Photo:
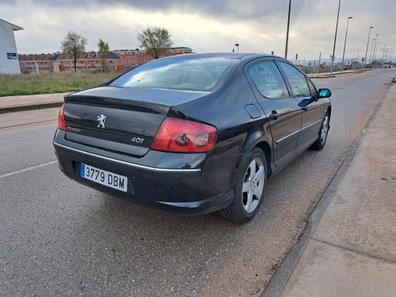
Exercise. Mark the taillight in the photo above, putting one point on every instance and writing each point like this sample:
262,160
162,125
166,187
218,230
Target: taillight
182,136
61,119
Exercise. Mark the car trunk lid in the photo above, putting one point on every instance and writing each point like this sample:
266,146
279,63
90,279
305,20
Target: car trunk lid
123,120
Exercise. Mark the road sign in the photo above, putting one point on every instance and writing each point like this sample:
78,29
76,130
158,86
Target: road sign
11,56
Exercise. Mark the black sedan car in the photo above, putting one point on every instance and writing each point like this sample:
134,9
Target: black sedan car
193,134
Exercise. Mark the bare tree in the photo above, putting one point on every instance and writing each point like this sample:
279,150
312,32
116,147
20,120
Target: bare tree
155,40
103,52
74,45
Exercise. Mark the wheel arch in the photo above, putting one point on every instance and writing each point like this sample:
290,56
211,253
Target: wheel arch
265,147
262,141
328,110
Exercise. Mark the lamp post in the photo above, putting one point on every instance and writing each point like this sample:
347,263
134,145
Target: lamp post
372,51
368,43
384,53
375,47
345,41
335,37
287,30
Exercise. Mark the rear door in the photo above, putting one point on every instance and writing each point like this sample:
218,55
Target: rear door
307,98
280,107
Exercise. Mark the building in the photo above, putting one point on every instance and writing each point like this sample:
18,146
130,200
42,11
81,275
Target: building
131,58
87,62
58,62
181,50
9,63
115,61
36,63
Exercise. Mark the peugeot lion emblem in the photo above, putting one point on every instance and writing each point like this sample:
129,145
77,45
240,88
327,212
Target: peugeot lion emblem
101,121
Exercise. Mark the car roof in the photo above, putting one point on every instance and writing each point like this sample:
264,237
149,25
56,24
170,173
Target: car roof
236,56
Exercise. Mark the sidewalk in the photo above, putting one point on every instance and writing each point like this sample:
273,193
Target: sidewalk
335,73
27,102
352,251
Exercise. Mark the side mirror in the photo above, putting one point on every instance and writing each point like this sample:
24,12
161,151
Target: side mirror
324,93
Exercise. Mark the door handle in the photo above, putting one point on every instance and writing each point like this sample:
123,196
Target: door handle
274,115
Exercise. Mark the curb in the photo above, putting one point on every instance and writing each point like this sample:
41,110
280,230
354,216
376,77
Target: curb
29,107
323,76
335,74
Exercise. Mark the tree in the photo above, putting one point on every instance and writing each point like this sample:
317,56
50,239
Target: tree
103,51
74,45
155,40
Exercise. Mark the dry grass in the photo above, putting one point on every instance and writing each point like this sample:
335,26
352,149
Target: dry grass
26,84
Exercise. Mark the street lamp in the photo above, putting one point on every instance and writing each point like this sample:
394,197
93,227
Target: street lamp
384,54
335,38
287,30
372,51
368,43
345,41
375,47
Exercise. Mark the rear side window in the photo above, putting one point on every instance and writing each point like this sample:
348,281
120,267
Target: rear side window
181,73
268,80
297,80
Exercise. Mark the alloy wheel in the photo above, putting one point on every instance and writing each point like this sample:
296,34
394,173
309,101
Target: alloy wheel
253,185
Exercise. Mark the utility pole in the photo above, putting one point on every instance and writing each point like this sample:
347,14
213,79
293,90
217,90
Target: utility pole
335,37
368,43
287,30
320,58
345,41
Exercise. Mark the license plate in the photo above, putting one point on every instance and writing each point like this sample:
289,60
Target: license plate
104,177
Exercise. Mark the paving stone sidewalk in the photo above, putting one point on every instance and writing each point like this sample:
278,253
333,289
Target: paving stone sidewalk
352,252
26,102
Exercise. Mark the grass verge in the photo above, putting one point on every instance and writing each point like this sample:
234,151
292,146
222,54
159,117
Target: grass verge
27,84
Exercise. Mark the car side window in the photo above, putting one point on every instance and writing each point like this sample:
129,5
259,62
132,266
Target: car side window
296,79
314,92
268,80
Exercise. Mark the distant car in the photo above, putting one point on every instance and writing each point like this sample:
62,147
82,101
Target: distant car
193,134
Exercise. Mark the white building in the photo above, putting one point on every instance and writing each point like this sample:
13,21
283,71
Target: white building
9,63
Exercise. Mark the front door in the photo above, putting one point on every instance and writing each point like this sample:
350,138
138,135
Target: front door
307,99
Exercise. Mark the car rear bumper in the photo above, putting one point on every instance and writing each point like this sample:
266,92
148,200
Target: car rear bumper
172,182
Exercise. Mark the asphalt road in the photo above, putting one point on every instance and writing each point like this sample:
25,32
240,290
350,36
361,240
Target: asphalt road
59,238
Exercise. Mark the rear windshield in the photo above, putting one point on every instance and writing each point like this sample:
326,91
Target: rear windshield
198,74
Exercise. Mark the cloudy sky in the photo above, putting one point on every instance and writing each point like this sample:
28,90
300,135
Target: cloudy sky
204,25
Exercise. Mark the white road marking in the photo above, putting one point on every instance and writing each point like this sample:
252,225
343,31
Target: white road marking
27,169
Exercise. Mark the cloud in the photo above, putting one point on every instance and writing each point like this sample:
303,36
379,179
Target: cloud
257,25
252,9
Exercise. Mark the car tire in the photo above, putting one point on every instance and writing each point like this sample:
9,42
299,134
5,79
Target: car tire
249,185
323,133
